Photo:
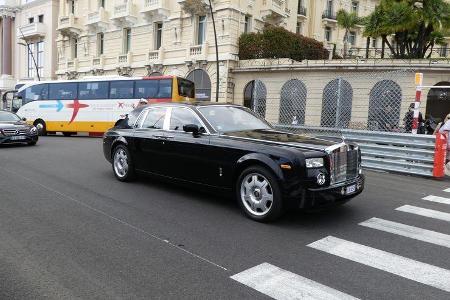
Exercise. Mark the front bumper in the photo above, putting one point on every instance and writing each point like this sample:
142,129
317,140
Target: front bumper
313,198
25,139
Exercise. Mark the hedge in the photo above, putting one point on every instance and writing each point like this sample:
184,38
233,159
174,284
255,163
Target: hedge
277,42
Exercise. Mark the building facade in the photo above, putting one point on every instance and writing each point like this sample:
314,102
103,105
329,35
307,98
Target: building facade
28,41
145,37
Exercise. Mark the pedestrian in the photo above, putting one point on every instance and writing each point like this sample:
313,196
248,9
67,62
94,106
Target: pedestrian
409,120
444,127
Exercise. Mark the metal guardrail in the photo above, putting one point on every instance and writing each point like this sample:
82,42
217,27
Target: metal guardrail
387,151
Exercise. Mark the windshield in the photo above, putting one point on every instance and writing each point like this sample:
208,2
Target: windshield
8,117
232,118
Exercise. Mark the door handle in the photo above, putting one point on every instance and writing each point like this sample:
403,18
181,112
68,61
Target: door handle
168,137
160,137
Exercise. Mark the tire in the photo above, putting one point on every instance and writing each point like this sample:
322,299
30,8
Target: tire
68,134
122,164
252,187
42,128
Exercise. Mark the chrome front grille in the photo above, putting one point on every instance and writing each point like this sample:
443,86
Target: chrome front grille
343,164
13,131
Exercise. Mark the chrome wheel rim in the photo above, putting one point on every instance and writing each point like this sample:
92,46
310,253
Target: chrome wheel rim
256,194
121,163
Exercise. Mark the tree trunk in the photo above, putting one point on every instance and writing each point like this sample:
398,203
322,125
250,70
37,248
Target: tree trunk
367,46
382,47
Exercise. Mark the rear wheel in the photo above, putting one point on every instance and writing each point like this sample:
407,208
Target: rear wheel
67,134
259,194
123,166
41,127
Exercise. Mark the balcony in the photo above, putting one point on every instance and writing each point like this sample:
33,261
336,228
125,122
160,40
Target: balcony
125,60
30,31
274,10
98,62
197,53
98,21
329,16
302,13
9,3
124,14
155,10
156,57
72,65
68,25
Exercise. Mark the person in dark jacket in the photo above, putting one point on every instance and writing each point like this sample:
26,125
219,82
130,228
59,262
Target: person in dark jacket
409,120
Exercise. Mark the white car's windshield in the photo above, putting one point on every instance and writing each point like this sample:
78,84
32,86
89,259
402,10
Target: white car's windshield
232,118
8,117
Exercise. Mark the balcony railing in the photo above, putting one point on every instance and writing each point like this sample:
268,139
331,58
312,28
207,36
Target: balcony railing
68,25
124,13
31,30
125,59
274,7
98,17
156,8
195,50
329,15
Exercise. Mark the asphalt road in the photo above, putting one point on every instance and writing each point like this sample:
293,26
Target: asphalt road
69,229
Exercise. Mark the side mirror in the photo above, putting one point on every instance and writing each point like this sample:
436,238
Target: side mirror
191,128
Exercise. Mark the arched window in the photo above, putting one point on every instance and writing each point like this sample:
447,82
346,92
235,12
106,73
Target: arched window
202,84
293,103
384,106
255,94
156,74
438,102
337,104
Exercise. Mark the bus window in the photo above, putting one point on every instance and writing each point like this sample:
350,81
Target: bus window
186,88
146,88
63,91
93,90
165,89
35,93
122,89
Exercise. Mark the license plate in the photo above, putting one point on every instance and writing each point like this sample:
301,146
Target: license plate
18,138
350,189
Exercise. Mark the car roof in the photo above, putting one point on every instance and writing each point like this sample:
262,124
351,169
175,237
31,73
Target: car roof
193,103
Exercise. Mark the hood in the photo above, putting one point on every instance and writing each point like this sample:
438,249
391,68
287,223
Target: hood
13,124
281,138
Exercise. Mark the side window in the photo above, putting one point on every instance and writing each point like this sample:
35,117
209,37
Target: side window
63,91
93,90
154,118
122,89
165,89
36,93
146,88
181,117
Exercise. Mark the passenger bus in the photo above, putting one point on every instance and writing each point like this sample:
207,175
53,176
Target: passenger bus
94,104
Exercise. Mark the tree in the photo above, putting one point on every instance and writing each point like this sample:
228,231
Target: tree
348,21
195,7
415,26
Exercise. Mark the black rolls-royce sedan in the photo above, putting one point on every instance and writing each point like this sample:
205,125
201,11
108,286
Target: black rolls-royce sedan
14,130
228,147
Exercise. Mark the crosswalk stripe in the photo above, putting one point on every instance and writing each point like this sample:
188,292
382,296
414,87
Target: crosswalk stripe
437,199
281,284
389,262
412,232
425,212
447,190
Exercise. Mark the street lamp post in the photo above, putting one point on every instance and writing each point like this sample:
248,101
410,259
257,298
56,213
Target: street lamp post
217,52
31,53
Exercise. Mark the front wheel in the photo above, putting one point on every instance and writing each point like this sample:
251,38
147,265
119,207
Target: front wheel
123,164
41,127
259,194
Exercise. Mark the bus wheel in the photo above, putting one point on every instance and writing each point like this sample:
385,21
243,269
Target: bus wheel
41,127
68,133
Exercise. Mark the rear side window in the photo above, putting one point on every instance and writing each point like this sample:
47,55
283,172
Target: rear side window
93,90
63,91
35,93
156,89
155,118
122,89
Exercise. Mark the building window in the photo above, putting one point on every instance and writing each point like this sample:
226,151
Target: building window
329,8
40,57
299,27
352,38
158,35
201,30
126,40
444,50
102,3
355,7
247,24
72,6
31,69
74,53
31,20
100,43
41,18
374,43
328,34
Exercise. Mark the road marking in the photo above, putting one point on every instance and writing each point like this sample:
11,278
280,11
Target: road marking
389,262
412,232
281,284
447,190
425,212
437,199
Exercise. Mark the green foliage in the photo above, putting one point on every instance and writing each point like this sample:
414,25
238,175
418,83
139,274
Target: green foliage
277,42
416,26
195,7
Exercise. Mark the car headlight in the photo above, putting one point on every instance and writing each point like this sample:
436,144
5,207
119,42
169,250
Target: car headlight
314,162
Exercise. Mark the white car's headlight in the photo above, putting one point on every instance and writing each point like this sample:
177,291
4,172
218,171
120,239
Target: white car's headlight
314,162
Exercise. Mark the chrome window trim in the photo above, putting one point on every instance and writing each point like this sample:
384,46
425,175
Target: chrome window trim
144,114
194,113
